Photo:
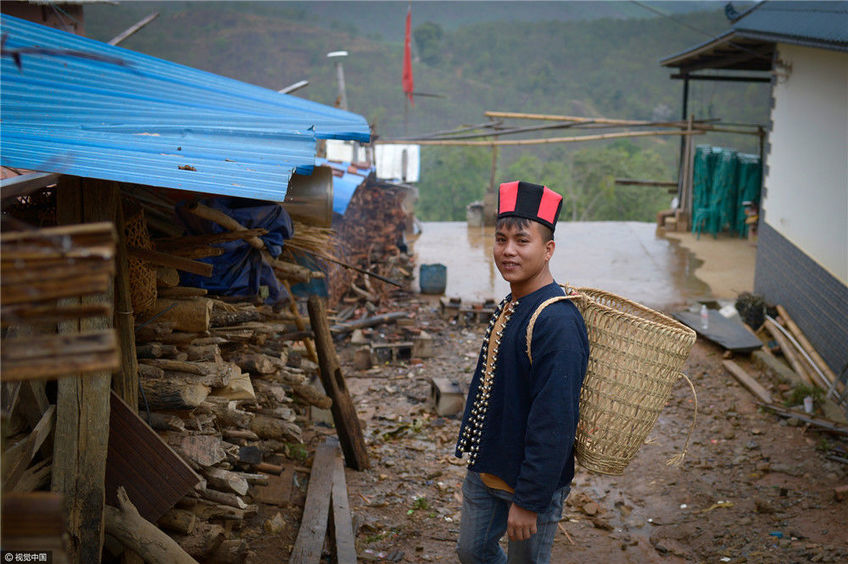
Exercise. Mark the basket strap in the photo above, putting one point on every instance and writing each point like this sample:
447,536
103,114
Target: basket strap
536,313
677,459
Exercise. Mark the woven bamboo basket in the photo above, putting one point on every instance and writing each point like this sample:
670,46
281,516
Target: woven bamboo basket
142,276
636,356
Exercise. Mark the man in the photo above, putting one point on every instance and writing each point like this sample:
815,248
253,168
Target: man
520,417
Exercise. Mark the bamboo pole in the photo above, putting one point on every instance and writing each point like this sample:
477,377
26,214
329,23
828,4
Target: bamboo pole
811,351
788,351
577,119
547,141
705,127
224,221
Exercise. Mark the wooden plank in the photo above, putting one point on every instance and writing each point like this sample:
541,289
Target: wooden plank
17,458
279,488
27,271
22,314
91,352
154,476
39,291
78,233
82,417
342,523
730,334
313,525
53,345
746,380
344,413
36,514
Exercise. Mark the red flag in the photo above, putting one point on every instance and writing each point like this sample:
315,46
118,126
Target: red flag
407,57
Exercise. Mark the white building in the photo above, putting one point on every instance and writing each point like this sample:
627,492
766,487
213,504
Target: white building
802,252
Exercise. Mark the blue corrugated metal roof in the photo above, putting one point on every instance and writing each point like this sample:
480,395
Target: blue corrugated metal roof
802,22
150,121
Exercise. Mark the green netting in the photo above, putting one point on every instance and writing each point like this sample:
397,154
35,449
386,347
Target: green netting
723,196
750,181
702,177
722,180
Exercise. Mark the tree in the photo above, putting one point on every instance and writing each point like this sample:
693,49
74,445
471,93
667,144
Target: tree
597,197
428,39
451,178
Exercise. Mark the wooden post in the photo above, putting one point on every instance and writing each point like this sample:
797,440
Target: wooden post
125,380
82,416
344,414
298,321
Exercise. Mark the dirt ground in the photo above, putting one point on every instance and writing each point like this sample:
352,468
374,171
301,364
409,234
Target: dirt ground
753,487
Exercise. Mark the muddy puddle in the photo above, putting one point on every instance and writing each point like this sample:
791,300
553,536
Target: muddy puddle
627,258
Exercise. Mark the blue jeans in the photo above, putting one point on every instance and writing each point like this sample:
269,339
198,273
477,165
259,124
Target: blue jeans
484,515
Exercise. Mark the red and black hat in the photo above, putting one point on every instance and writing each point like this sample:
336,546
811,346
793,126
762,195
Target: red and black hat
530,201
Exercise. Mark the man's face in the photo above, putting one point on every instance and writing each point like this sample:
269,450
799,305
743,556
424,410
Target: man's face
521,253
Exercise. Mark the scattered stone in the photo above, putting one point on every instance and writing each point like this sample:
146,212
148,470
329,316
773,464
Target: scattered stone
763,506
275,525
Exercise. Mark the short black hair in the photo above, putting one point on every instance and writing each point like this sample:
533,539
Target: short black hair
522,222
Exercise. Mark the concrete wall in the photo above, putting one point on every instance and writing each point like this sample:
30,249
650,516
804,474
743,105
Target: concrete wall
806,180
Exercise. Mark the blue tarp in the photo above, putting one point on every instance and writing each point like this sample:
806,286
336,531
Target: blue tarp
240,270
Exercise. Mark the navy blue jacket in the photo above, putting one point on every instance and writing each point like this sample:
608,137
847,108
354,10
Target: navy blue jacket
530,416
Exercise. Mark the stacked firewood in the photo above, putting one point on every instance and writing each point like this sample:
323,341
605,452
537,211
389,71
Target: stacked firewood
224,385
371,236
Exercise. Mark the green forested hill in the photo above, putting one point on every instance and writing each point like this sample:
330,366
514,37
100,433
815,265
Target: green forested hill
583,58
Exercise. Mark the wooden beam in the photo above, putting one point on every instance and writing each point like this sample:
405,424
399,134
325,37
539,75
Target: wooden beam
344,413
173,261
82,407
749,383
789,352
345,543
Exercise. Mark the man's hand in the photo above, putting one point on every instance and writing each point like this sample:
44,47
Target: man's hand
521,524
